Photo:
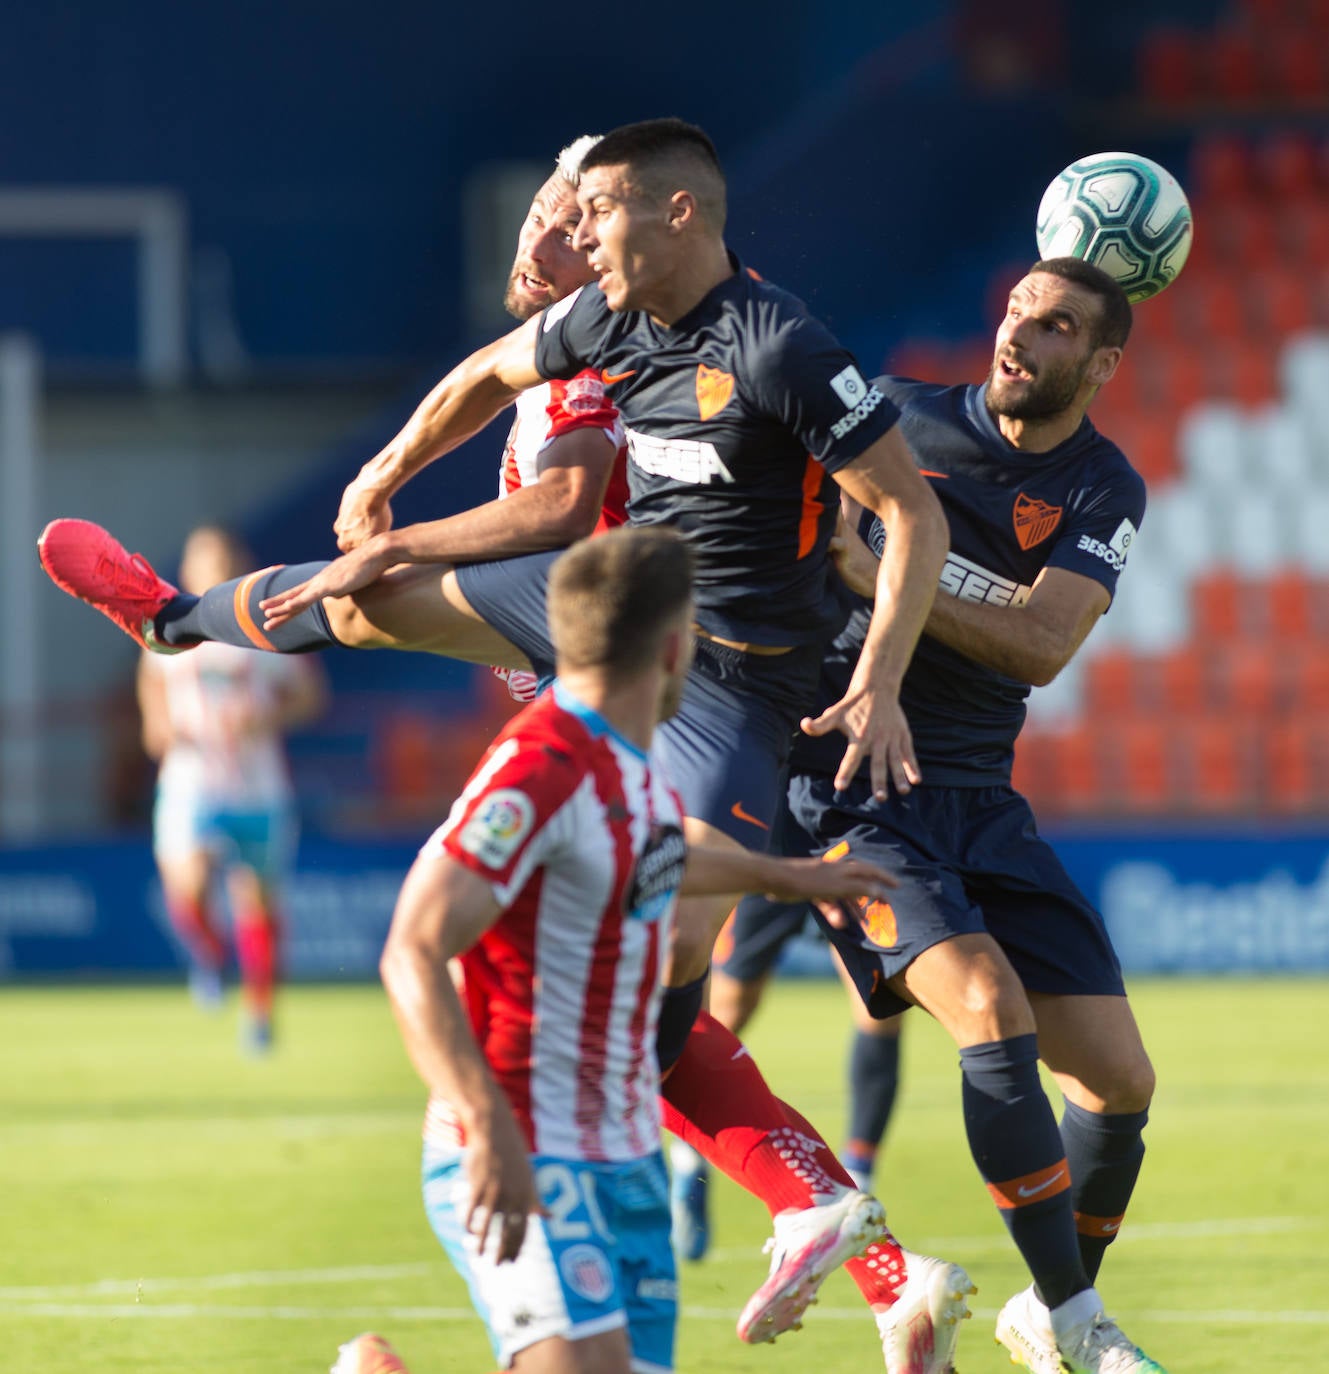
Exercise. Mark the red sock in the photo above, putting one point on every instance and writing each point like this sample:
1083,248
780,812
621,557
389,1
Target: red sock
879,1271
256,933
716,1100
194,926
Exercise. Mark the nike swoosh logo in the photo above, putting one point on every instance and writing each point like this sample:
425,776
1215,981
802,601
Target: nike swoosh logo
1109,1226
609,378
738,1053
737,810
1040,1187
927,472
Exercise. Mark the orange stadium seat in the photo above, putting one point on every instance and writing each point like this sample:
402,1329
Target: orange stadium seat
1216,606
1145,780
1074,771
1244,233
1285,161
1308,674
1295,62
1244,369
1183,681
1219,764
1291,778
1168,68
1221,169
1112,685
1231,61
1279,301
1306,232
1215,307
1288,609
1247,679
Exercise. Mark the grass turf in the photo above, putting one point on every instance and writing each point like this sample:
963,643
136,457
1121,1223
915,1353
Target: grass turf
172,1205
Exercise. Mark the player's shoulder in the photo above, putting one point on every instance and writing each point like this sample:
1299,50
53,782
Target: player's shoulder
910,392
1112,465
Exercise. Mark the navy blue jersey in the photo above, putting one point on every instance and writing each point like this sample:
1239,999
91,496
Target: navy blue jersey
1011,514
736,415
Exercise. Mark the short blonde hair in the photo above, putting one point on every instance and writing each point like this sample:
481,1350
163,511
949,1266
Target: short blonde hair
612,597
568,163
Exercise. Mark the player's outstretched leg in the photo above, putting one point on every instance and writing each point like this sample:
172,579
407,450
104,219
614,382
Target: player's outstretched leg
91,564
1077,1337
368,1354
84,560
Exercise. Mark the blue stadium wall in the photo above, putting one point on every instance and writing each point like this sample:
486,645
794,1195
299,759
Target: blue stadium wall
1180,902
323,149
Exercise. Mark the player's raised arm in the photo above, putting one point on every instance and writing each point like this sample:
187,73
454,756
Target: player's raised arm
458,407
884,480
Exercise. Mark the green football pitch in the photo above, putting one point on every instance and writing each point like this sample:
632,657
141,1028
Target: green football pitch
170,1205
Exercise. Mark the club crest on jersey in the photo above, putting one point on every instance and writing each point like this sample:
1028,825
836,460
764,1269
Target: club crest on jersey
714,388
586,1271
1034,520
500,823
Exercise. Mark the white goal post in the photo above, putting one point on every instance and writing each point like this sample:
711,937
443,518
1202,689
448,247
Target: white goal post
157,221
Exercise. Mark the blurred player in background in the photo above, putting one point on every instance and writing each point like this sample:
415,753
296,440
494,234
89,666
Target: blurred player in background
225,809
523,965
987,931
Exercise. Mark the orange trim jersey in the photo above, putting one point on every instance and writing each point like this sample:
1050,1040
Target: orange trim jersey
736,417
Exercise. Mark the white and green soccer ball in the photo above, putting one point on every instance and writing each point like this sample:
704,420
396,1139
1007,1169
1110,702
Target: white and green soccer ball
1122,212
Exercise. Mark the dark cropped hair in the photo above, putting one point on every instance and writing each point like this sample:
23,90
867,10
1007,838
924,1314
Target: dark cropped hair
1113,326
649,140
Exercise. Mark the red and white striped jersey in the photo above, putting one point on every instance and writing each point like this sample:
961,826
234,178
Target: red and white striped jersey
555,408
581,839
544,413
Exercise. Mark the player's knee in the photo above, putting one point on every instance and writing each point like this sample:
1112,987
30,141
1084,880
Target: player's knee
1132,1085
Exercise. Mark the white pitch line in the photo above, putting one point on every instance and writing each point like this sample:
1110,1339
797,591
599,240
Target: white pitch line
999,1242
374,1315
258,1278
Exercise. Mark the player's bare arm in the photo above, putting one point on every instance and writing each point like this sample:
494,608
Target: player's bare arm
716,870
883,479
1031,643
458,407
561,507
442,910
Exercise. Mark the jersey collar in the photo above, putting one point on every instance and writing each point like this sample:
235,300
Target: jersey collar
594,722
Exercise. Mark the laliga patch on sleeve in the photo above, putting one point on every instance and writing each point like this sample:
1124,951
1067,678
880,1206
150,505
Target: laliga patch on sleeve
849,386
501,822
1120,543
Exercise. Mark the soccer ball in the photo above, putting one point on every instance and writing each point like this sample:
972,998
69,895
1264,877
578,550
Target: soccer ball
1124,214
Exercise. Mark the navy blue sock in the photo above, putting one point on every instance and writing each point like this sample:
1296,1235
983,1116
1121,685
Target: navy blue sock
229,614
1104,1154
678,1011
874,1076
1014,1139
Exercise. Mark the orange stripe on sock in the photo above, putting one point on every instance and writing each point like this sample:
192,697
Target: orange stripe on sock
246,621
1101,1228
1020,1192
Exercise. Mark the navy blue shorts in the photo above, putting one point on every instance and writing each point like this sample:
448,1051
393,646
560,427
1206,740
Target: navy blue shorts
758,928
726,748
969,859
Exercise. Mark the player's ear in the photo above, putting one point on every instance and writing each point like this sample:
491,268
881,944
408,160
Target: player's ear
680,211
1103,365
